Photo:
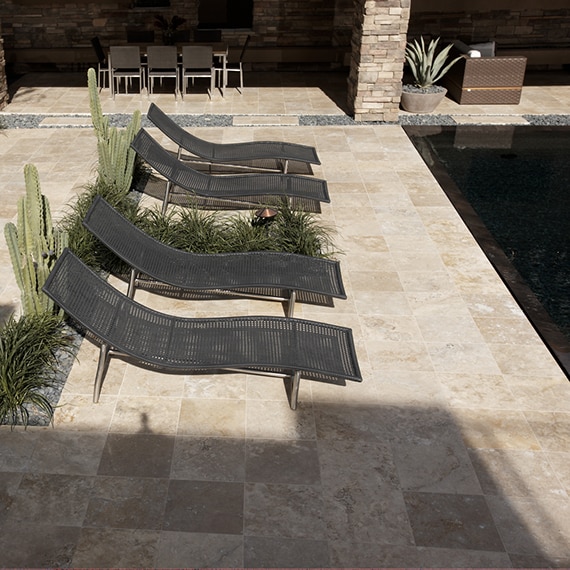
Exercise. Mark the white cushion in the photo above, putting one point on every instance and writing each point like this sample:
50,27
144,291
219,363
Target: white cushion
486,49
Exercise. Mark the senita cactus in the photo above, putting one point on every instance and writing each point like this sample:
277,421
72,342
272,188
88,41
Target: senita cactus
116,157
34,245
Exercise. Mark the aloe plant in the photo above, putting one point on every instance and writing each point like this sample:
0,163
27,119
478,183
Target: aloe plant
427,64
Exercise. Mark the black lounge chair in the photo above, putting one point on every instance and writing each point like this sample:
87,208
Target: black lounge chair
259,274
268,346
252,189
237,155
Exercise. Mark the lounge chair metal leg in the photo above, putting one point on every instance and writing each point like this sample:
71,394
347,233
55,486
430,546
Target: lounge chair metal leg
132,283
294,396
166,197
101,371
291,303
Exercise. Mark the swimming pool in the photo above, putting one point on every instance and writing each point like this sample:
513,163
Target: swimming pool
511,186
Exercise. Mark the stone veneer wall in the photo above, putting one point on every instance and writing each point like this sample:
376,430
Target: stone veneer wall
61,23
376,68
3,79
538,26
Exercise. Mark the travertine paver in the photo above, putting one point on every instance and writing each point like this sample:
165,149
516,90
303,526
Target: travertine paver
454,450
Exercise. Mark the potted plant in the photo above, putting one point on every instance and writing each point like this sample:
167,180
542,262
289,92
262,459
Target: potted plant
168,27
427,66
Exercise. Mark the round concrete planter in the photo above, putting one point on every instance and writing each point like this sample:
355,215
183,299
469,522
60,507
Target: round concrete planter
418,102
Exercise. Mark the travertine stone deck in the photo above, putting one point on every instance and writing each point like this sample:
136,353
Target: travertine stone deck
453,452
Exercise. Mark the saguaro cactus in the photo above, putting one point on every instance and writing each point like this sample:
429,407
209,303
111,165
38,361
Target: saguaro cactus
116,157
34,245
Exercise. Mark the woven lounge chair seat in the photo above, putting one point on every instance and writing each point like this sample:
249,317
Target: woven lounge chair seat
249,188
233,154
261,274
496,80
269,346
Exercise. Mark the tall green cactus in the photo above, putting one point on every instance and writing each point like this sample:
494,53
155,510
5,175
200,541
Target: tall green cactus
34,245
116,157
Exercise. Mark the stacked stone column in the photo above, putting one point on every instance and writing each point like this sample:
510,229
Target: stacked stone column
3,80
377,61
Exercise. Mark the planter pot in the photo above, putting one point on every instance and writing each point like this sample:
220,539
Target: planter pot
417,102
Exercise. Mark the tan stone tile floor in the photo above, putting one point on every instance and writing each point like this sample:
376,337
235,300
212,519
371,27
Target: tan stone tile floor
453,452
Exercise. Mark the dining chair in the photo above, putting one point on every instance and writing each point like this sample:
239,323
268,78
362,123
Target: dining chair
162,62
234,66
102,63
197,61
125,63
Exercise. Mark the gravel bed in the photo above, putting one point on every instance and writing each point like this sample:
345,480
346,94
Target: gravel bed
548,120
121,120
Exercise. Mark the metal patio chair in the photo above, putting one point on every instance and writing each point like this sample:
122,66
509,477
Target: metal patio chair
162,62
234,66
267,346
125,63
197,61
102,62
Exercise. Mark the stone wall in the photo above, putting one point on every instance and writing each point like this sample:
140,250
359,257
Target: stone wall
376,69
539,26
60,23
3,79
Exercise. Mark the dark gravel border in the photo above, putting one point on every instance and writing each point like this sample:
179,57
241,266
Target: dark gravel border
121,120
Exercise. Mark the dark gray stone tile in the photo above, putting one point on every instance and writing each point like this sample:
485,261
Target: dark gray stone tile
37,545
208,458
343,462
531,527
282,461
436,465
127,502
204,506
137,455
354,423
360,511
264,552
52,499
199,550
17,448
287,511
69,452
9,483
539,561
375,555
452,521
116,548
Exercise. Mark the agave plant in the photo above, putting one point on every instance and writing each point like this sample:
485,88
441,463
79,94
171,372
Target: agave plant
427,64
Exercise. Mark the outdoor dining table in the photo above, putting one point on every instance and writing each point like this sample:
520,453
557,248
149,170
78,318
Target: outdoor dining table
219,52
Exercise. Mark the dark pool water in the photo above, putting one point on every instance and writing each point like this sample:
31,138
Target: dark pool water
517,181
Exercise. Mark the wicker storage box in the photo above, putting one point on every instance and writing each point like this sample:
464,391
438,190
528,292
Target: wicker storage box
486,80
